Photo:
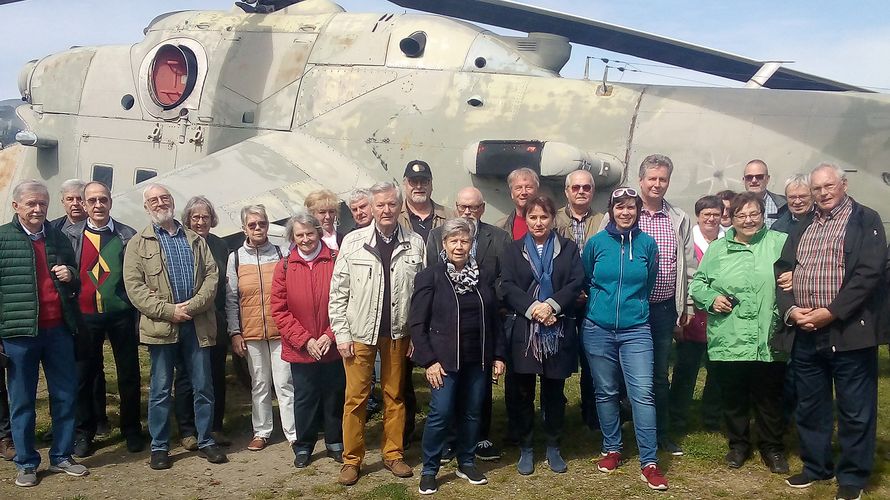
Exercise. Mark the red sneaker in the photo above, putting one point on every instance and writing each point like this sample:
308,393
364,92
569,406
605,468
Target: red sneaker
609,462
653,477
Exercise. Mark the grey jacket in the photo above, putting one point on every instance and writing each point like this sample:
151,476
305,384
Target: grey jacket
74,232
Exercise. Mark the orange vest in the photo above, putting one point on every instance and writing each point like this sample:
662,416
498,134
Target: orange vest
254,299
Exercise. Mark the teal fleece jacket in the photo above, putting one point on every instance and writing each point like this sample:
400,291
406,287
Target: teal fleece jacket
620,271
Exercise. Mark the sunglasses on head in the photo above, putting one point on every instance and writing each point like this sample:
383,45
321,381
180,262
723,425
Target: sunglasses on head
581,187
625,191
751,177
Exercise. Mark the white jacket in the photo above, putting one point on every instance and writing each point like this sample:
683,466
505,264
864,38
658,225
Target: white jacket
357,285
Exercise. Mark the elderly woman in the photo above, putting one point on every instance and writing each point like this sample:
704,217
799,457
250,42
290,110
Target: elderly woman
457,337
541,279
735,284
322,205
621,263
300,292
252,331
200,216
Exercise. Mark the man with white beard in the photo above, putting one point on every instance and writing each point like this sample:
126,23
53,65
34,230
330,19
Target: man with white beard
171,278
420,213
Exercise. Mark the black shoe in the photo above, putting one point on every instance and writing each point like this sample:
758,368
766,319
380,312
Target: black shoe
102,428
213,454
471,474
800,481
302,459
736,458
428,484
671,447
848,493
775,462
486,450
83,447
160,460
335,455
447,455
135,443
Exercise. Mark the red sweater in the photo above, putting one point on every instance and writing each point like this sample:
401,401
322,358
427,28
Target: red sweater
50,309
300,305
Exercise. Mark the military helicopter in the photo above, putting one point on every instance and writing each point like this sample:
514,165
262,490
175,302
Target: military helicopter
276,98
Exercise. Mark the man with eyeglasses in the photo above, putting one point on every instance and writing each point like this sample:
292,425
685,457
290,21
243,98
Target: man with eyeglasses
171,278
756,178
577,221
800,203
420,213
99,243
488,245
838,256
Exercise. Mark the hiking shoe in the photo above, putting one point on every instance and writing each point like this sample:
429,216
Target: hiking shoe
70,467
775,462
302,459
213,454
668,446
799,481
447,455
428,484
609,462
487,451
26,477
7,448
256,444
555,461
398,467
471,474
160,460
736,458
653,477
83,447
848,493
348,475
190,443
526,464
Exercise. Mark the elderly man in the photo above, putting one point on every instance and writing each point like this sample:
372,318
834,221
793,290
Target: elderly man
171,278
360,206
577,221
488,245
420,213
371,289
38,286
838,256
524,184
756,178
800,203
99,242
669,305
71,192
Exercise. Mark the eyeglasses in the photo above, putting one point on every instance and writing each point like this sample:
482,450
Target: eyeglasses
157,200
794,199
257,224
97,199
625,191
744,217
471,208
581,187
751,177
200,218
707,216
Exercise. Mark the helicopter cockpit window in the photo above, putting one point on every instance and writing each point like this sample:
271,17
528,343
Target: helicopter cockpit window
172,75
144,174
103,174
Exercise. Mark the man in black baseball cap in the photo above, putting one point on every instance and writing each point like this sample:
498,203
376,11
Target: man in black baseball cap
420,212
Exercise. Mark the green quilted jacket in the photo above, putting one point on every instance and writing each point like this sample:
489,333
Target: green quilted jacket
18,280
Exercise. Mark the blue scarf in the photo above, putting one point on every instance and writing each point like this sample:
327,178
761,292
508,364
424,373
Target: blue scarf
543,340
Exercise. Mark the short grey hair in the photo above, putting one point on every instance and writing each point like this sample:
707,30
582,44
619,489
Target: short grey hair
257,209
28,186
195,202
841,173
305,219
458,225
359,194
523,172
798,180
151,186
580,171
385,187
655,161
72,186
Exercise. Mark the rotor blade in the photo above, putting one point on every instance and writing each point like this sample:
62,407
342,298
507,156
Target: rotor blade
526,18
2,2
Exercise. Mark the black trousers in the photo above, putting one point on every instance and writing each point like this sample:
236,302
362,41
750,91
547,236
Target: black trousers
183,398
120,329
756,386
689,360
410,403
318,388
553,404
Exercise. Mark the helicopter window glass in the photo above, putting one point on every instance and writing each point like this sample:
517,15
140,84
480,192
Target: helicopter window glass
103,174
172,76
499,158
144,174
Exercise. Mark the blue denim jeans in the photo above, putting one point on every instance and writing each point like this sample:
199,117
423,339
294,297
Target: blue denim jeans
54,347
164,358
662,320
460,398
627,352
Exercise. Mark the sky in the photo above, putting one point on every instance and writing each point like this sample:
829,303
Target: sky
829,39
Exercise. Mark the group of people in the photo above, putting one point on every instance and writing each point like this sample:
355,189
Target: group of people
778,296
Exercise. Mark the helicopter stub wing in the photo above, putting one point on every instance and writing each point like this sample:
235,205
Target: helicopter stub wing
527,18
276,169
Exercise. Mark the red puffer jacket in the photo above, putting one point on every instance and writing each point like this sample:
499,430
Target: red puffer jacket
300,295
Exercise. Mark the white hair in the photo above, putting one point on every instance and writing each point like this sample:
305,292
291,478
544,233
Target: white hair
838,171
